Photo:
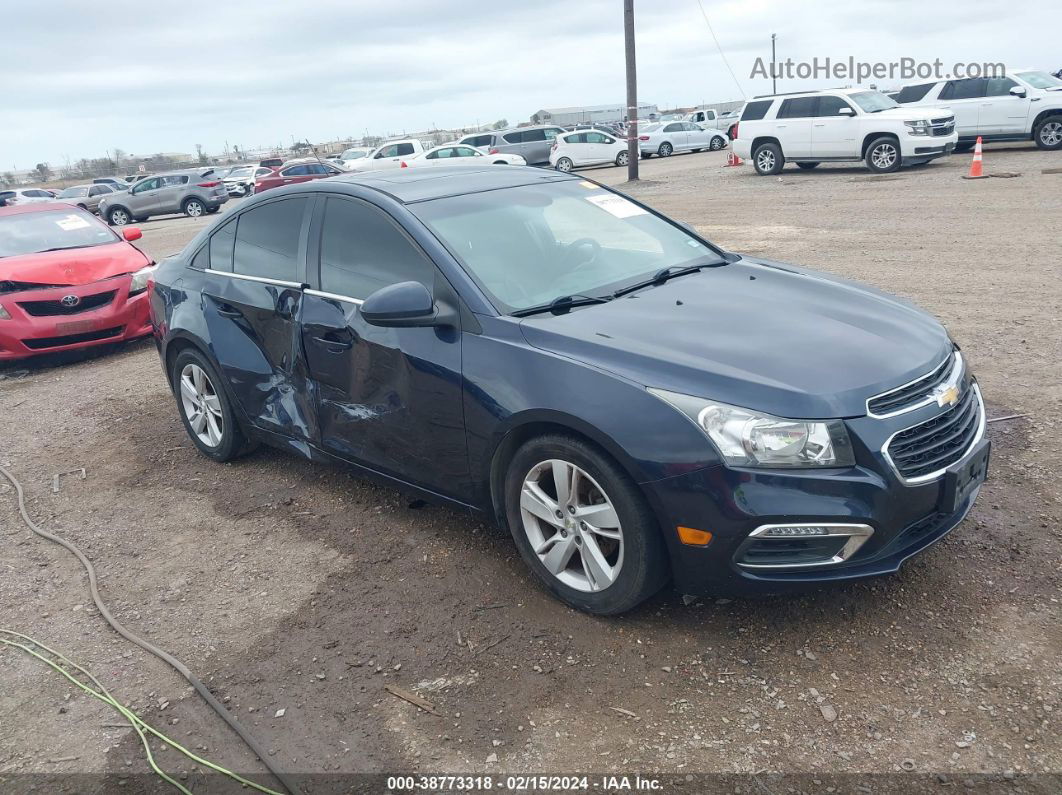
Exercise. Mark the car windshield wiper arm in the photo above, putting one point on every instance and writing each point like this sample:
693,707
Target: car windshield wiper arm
562,303
664,274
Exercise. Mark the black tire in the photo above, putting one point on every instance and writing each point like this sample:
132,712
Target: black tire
665,150
623,158
883,155
118,216
807,166
193,208
717,143
768,159
140,219
83,207
564,164
1048,133
234,442
961,148
644,568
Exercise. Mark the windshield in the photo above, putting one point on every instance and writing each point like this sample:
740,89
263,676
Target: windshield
354,154
29,233
651,127
74,193
528,245
873,101
1039,79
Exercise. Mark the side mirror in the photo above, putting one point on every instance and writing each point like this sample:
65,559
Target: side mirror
846,112
1019,91
406,305
132,233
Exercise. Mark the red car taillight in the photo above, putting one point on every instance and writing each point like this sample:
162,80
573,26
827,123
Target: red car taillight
643,137
207,184
735,132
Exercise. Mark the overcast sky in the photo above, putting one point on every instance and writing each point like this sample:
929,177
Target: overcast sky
80,78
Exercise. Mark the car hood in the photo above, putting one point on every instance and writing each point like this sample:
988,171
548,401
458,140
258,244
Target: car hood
757,334
75,266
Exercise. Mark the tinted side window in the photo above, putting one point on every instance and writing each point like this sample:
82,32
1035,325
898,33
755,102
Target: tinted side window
913,93
756,110
404,149
798,108
831,106
972,88
673,128
513,137
296,171
999,86
479,140
534,135
267,240
363,250
221,243
577,138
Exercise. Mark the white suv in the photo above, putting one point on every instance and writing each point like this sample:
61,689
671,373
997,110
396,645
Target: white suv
840,125
1020,106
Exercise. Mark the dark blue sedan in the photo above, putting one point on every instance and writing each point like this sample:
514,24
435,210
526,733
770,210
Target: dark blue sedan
634,403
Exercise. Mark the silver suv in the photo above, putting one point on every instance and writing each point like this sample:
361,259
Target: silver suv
533,144
193,192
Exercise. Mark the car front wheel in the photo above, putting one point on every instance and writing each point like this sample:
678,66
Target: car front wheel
1048,133
582,526
117,216
206,412
883,155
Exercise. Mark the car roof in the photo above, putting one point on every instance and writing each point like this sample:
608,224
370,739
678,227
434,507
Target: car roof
40,207
423,184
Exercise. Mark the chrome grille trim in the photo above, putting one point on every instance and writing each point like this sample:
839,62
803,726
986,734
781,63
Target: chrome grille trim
932,381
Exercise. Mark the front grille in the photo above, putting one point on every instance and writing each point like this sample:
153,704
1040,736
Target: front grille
72,339
942,126
910,395
937,443
55,308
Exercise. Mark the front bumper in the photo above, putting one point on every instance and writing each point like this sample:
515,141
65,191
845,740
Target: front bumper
927,147
903,517
124,317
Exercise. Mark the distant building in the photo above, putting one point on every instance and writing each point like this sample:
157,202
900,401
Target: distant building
593,114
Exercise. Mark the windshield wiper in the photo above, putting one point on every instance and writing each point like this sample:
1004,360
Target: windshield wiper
664,274
562,303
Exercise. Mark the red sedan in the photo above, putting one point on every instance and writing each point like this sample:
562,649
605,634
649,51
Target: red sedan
295,171
67,281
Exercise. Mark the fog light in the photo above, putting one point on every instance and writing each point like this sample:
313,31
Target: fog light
694,538
796,546
787,531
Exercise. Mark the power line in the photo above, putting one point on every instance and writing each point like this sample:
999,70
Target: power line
719,47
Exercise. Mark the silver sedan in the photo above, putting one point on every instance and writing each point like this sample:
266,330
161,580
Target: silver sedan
665,139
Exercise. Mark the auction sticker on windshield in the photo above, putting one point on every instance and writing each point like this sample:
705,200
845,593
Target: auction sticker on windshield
72,222
616,205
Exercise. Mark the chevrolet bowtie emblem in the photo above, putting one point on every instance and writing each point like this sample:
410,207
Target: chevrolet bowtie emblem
948,396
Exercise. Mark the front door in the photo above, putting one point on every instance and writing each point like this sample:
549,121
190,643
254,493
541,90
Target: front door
144,197
1003,113
388,398
172,189
834,135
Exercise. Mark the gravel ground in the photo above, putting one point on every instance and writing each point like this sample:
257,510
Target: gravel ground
295,587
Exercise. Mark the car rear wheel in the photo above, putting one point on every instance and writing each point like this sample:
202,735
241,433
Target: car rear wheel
665,150
768,159
205,408
565,164
582,526
1048,133
883,155
194,208
807,166
117,216
717,143
623,158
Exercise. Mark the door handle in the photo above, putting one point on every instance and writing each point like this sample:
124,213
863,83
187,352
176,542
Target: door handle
228,310
332,343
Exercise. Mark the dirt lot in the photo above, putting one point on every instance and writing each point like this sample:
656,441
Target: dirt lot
290,586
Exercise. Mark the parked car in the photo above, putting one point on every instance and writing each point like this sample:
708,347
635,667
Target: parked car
67,281
240,180
387,155
460,155
193,192
556,357
354,153
295,171
1022,105
271,162
13,196
840,125
533,144
87,197
116,183
587,148
664,139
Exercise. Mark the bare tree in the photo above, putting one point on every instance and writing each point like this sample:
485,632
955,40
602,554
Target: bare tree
43,171
500,124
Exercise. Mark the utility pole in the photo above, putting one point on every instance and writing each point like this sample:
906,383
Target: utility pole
774,66
632,91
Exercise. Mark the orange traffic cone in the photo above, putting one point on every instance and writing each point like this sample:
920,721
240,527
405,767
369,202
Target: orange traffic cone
975,166
733,160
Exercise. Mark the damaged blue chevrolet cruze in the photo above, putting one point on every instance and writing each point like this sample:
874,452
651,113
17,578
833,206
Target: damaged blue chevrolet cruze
634,403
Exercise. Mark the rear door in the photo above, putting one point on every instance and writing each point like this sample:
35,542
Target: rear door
696,136
172,189
388,398
144,197
964,98
793,126
251,303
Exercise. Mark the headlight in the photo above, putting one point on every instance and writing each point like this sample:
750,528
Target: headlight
3,314
919,127
140,279
749,438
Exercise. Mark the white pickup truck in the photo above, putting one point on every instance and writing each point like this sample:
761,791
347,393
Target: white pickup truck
704,117
388,155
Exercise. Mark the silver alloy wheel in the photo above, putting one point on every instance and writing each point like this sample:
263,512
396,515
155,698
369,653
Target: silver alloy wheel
1051,133
717,143
572,525
564,164
202,406
884,156
119,217
765,160
194,208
